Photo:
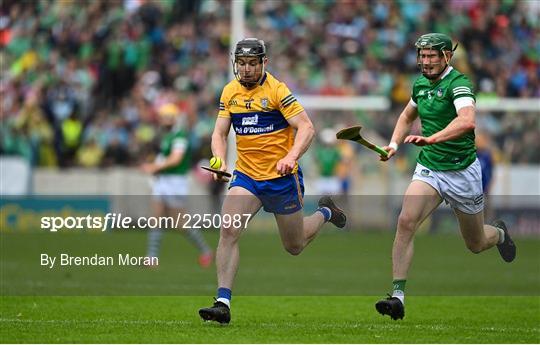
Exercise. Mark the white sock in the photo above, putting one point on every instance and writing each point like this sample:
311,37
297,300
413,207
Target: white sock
501,235
399,295
225,301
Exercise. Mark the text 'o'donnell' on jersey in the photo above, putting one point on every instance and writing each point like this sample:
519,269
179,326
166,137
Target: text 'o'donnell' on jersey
259,118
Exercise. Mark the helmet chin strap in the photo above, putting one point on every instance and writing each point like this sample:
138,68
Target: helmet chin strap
247,84
435,76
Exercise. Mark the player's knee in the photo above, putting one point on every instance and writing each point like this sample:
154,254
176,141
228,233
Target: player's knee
406,223
229,234
294,249
475,247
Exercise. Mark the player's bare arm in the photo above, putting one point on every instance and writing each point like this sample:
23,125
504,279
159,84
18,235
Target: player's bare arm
403,127
304,135
172,160
463,123
219,143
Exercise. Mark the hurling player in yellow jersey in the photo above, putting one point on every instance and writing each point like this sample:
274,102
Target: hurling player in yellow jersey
272,132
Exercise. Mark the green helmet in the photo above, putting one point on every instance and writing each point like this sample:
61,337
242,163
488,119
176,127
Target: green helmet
438,42
435,41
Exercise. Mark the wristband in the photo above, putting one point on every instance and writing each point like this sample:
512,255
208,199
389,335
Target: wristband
393,145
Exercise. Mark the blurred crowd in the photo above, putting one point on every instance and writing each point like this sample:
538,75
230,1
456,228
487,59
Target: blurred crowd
81,81
366,47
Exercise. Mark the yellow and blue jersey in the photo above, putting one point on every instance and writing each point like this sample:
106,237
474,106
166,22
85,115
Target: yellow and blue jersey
259,118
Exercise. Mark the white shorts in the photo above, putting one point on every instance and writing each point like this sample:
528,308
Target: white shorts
462,189
172,190
328,185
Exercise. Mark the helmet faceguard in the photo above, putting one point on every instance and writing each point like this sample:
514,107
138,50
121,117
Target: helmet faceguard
431,65
249,47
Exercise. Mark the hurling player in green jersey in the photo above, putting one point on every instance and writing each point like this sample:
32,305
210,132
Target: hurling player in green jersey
327,158
170,186
447,168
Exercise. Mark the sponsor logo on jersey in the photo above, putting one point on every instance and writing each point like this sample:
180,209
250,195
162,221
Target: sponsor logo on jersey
249,124
424,172
254,130
250,120
258,122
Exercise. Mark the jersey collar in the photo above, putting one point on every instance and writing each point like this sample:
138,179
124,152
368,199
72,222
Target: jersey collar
448,70
263,79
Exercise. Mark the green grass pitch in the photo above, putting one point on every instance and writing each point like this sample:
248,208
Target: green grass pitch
325,295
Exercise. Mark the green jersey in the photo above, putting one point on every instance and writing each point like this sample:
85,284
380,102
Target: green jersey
175,140
327,158
436,109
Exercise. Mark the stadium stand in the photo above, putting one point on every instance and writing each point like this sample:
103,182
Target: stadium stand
81,80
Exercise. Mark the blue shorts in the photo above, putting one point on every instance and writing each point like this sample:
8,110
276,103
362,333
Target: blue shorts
282,195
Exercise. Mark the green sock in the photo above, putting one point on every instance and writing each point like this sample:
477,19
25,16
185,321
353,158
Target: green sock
399,285
399,289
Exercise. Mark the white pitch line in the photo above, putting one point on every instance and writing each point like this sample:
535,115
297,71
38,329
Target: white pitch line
374,327
127,322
